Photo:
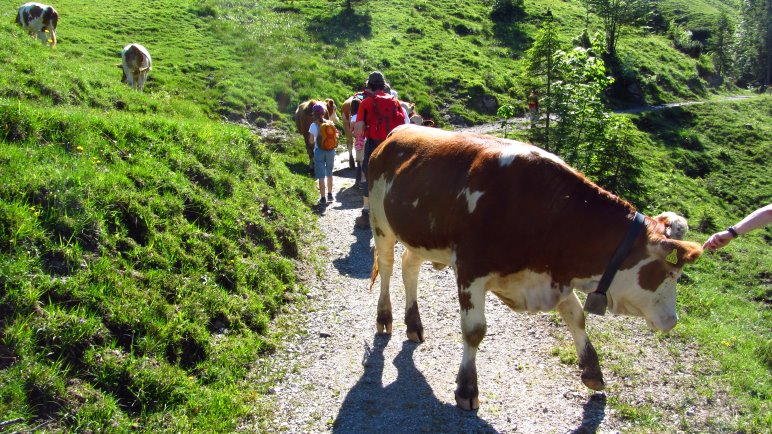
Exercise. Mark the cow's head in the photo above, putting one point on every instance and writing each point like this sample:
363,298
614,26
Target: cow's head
648,287
331,109
51,19
124,79
675,226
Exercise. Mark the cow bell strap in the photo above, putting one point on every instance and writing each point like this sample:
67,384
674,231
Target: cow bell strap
596,301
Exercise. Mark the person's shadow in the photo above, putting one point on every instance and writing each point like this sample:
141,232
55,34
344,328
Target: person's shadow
406,405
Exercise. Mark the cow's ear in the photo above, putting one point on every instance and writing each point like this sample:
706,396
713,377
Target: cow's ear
675,226
677,253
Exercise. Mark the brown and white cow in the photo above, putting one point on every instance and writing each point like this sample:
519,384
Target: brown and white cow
39,19
304,117
513,219
136,63
345,109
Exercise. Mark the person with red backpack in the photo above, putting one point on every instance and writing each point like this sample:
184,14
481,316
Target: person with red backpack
378,114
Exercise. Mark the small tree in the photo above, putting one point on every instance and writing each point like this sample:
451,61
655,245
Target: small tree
505,112
721,45
753,43
615,14
578,104
540,60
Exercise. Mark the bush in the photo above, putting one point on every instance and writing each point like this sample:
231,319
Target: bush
507,10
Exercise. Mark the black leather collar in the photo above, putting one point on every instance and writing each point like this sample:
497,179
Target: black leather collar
596,301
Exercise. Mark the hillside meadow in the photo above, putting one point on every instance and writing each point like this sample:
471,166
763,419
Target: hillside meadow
148,241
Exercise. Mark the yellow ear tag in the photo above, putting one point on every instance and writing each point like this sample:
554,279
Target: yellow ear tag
672,257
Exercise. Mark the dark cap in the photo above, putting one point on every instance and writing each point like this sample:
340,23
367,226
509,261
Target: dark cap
376,80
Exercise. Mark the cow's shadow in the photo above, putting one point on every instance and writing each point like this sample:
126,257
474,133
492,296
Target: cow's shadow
593,415
406,405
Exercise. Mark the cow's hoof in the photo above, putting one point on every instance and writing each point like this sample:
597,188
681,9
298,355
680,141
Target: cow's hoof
387,328
594,383
416,336
468,403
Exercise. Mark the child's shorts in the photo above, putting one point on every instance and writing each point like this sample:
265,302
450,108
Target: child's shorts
323,162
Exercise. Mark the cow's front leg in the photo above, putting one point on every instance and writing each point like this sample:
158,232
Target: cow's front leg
385,248
473,328
570,310
310,152
411,266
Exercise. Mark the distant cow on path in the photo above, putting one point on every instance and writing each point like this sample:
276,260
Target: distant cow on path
136,63
39,19
516,220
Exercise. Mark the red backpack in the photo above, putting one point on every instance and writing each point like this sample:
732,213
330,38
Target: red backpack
386,114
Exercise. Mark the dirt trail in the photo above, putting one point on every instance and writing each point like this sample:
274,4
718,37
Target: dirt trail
345,378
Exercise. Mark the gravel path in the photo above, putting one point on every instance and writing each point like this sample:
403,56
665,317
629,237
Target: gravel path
344,378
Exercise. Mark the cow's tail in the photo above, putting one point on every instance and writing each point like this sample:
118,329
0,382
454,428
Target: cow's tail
374,274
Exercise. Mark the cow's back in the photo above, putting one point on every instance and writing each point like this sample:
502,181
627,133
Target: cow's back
466,194
136,57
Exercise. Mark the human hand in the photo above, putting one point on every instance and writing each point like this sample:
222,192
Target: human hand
717,241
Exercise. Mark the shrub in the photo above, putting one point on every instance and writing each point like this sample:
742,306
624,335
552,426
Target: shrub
507,10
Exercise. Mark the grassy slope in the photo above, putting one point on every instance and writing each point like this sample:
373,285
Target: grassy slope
143,248
135,222
709,162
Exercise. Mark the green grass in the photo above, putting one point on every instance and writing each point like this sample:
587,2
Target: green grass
146,246
142,260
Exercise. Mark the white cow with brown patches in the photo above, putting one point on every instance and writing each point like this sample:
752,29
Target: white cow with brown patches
136,63
515,220
39,19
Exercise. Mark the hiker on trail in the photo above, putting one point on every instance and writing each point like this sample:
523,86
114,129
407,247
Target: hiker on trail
757,219
533,106
404,110
359,144
378,114
323,159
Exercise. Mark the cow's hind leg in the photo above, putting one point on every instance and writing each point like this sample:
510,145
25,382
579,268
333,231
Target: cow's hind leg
571,311
411,266
385,247
473,328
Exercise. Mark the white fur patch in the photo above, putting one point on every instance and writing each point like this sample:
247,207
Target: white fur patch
517,149
471,198
527,291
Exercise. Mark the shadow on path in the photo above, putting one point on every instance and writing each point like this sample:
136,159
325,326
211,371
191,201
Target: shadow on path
594,413
359,261
406,405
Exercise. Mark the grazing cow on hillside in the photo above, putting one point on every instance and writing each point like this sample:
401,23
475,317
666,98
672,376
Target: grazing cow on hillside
513,219
136,63
304,117
39,19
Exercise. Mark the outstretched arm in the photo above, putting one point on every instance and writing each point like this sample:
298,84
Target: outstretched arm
757,219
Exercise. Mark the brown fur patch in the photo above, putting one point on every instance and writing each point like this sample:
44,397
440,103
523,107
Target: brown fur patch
476,335
652,275
465,300
552,219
